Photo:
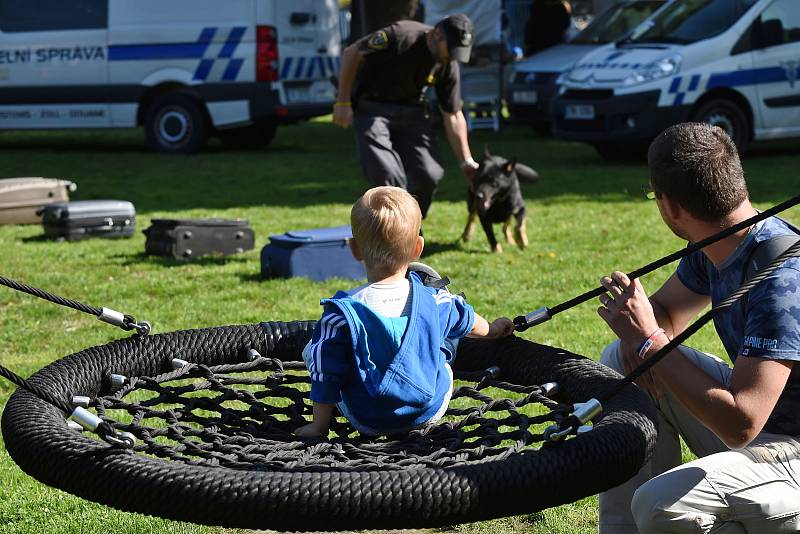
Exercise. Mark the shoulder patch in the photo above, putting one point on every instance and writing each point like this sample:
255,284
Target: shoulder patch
378,41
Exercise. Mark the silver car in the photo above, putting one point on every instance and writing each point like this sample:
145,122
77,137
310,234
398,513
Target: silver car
533,83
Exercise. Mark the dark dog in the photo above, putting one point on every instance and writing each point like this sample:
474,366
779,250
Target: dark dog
495,197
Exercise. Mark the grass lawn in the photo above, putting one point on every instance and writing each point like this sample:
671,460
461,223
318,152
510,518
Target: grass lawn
586,218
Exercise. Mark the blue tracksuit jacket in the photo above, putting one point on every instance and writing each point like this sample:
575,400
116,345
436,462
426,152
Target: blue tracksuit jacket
389,373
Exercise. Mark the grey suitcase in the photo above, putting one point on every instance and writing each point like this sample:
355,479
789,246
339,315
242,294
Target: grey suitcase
21,198
89,218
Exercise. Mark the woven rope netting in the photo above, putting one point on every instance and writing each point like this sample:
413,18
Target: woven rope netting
215,443
241,416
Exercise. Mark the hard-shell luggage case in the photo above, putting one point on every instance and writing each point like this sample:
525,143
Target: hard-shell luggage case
192,238
89,218
317,254
21,198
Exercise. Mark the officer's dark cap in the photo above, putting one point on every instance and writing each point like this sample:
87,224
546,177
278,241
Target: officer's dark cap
460,34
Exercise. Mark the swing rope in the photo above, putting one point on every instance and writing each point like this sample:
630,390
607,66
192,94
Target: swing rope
583,413
124,321
729,301
523,322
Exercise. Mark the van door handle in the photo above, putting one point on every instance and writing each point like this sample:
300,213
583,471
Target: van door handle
301,18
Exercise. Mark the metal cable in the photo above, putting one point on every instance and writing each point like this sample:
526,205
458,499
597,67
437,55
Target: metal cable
731,299
49,296
522,322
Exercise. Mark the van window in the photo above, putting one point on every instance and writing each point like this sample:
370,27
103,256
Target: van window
616,22
51,15
690,21
782,20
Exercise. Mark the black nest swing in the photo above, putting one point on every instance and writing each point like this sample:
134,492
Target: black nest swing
473,466
213,411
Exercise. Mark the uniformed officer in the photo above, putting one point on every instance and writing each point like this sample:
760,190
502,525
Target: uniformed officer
382,86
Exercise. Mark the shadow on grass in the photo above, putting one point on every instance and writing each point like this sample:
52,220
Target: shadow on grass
168,261
433,248
315,164
39,238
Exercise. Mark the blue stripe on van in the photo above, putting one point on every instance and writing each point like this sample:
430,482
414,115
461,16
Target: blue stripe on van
739,78
203,69
676,83
694,82
287,65
309,67
163,50
298,71
234,38
312,64
232,70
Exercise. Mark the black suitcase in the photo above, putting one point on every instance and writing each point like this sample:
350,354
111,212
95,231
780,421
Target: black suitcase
88,218
192,238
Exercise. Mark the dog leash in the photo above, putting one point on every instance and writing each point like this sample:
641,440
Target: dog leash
541,315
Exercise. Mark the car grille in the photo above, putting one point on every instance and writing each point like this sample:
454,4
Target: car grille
542,78
588,94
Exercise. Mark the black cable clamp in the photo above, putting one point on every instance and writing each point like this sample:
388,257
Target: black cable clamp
575,423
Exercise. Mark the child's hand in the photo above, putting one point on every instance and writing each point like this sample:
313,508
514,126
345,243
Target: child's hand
500,327
311,431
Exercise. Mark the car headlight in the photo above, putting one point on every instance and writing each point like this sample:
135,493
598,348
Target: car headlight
662,68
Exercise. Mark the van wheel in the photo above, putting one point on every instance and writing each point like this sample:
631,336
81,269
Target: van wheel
255,136
176,123
728,116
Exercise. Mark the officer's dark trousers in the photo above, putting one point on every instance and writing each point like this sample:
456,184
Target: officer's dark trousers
397,146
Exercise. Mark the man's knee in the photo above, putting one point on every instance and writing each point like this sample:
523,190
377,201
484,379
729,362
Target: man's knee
655,518
657,506
610,357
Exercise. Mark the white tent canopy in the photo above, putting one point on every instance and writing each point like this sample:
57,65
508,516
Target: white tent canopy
485,15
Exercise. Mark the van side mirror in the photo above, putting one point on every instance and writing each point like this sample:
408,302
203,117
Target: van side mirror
770,33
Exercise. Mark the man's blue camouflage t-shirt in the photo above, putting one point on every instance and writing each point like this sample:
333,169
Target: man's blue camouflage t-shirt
770,326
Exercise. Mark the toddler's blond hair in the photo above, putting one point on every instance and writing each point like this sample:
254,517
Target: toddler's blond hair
386,222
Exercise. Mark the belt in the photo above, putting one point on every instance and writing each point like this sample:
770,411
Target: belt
407,103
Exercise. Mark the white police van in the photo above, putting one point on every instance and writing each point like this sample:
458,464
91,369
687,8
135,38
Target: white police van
733,63
182,69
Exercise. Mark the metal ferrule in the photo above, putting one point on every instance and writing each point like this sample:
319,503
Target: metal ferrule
586,411
549,389
118,381
177,363
72,425
107,315
86,419
538,316
80,400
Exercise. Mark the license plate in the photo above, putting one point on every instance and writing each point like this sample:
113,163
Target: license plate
526,97
581,112
298,94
